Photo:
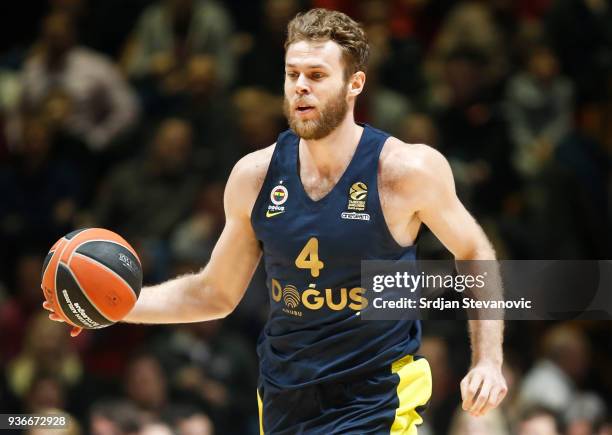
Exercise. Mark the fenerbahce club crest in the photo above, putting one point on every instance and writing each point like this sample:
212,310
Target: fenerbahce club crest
278,196
357,197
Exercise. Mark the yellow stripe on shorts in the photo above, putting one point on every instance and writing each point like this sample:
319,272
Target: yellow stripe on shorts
260,408
413,390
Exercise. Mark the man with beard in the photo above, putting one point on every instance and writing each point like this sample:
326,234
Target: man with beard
328,194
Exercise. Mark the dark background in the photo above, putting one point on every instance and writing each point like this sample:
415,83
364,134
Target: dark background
129,116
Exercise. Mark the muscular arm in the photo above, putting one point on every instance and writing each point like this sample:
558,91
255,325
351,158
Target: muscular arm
217,289
447,218
429,185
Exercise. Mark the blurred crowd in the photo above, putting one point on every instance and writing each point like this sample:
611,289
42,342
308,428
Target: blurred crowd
130,115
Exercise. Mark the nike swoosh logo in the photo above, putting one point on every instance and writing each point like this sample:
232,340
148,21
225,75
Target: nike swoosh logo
272,214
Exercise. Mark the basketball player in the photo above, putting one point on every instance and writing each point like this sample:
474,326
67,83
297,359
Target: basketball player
328,194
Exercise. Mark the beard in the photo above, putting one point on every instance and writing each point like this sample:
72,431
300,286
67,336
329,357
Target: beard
330,116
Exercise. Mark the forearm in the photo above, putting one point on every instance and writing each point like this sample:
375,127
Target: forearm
486,325
188,298
486,337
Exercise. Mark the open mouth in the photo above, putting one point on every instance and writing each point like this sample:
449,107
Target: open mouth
304,109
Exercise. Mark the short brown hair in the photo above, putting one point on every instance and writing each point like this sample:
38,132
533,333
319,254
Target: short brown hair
322,24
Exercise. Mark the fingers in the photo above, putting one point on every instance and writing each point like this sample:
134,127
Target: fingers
495,398
481,393
53,316
76,330
56,317
469,388
482,398
498,392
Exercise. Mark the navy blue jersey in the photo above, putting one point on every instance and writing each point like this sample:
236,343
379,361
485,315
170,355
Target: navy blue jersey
312,252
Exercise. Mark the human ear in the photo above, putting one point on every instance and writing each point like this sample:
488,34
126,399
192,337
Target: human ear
356,83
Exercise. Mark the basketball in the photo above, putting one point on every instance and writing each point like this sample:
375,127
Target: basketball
92,278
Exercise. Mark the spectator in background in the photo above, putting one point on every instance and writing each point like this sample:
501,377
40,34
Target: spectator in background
513,375
114,417
151,405
562,169
380,105
193,239
156,428
263,60
146,386
208,108
95,102
143,199
580,31
474,132
540,110
259,117
445,394
395,30
195,424
578,196
170,32
46,391
469,24
210,366
93,18
539,421
40,193
10,403
15,313
47,349
9,102
606,428
553,380
585,415
493,423
419,128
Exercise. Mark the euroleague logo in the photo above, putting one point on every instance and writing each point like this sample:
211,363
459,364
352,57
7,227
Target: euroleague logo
358,191
357,199
279,195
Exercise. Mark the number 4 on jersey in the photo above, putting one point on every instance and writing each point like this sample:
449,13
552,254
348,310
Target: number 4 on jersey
309,257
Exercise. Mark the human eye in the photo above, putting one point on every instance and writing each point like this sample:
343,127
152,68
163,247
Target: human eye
317,75
291,74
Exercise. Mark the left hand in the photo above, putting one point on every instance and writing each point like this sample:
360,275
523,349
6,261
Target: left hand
483,388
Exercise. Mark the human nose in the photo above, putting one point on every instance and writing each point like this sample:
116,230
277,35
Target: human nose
301,85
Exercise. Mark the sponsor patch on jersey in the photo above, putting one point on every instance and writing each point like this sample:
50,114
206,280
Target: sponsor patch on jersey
274,210
355,216
294,302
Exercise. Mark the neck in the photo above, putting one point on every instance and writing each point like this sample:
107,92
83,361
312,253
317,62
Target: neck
332,153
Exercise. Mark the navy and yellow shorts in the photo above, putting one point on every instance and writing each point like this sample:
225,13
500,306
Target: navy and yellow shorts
387,402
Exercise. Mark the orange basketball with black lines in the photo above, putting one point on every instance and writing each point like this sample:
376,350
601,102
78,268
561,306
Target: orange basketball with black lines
92,278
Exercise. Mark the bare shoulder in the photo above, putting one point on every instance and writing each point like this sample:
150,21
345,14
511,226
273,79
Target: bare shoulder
253,166
246,179
411,164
